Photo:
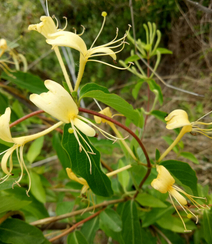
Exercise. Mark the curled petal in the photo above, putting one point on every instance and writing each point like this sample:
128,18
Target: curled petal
67,39
106,112
45,27
5,134
163,181
82,126
176,119
5,158
102,50
57,102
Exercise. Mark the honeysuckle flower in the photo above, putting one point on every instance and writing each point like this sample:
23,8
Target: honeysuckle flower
80,180
179,118
59,103
83,182
57,37
165,183
17,58
18,145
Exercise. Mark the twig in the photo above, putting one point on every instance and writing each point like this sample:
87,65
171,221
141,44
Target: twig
75,226
201,7
77,212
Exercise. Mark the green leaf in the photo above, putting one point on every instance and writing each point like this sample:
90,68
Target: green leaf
189,156
35,210
163,50
16,231
90,228
64,207
61,152
114,101
96,179
111,219
92,87
147,235
136,89
155,214
183,172
37,188
110,233
157,155
35,149
154,86
173,223
131,230
159,114
4,103
76,238
150,201
170,141
132,58
207,225
11,203
27,81
123,176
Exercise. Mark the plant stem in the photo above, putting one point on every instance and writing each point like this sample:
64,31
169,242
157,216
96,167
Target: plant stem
184,130
68,215
75,226
57,51
123,141
119,170
26,117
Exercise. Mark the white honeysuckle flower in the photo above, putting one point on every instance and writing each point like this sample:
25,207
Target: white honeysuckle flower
57,37
179,118
59,103
19,143
165,183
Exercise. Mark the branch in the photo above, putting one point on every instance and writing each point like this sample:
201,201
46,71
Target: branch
75,226
68,215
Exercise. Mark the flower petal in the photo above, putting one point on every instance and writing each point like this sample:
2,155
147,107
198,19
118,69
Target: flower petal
163,181
5,133
4,160
82,126
178,196
176,119
67,39
45,27
57,102
101,50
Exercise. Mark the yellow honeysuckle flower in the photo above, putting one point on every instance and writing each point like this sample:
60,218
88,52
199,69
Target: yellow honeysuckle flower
57,37
59,103
165,183
106,112
179,118
80,180
19,143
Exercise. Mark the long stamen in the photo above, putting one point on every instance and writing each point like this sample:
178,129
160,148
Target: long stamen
178,214
92,152
83,30
104,14
80,145
22,159
57,23
106,134
21,166
65,24
113,66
